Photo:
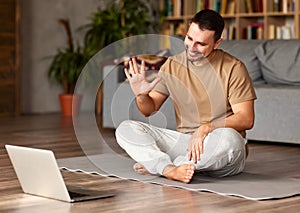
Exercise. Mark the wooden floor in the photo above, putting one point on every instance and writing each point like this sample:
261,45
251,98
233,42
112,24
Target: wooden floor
56,133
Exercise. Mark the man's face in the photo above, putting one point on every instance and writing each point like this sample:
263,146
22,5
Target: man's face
199,43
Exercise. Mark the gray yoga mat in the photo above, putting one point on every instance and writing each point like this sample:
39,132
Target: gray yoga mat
247,185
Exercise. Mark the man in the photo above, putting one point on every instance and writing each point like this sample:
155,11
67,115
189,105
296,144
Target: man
214,104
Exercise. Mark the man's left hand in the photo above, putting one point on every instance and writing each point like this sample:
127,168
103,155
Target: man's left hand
195,148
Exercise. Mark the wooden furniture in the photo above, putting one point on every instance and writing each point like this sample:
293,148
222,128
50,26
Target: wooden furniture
10,15
244,19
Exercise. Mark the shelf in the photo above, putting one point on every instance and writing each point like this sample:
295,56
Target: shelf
245,15
238,19
226,16
174,18
279,14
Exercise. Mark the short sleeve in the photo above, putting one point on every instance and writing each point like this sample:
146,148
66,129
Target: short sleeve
161,86
240,85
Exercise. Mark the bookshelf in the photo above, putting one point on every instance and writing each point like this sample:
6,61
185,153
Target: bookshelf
244,19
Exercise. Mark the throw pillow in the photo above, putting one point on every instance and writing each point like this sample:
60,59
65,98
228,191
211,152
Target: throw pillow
280,61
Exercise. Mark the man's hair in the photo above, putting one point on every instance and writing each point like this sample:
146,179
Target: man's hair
209,20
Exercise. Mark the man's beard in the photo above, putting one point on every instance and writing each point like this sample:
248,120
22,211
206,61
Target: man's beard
193,56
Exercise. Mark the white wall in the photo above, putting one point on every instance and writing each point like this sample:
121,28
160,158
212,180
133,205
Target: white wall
41,37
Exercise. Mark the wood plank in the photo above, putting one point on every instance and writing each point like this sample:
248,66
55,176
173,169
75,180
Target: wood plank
10,45
55,132
7,39
7,16
7,104
7,56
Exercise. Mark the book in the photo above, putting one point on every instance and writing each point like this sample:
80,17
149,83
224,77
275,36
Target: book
271,31
284,6
276,5
217,6
223,6
230,7
255,30
231,33
178,7
260,33
248,6
257,6
286,32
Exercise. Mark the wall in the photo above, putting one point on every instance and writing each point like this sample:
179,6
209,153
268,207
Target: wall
41,37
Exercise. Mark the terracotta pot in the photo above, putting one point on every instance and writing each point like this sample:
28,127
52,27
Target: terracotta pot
69,104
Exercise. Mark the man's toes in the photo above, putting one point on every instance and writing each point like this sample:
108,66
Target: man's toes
191,167
140,169
138,166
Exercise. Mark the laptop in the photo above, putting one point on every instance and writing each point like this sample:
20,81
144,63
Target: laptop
39,174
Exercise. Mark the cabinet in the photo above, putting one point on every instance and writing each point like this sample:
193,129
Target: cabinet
10,57
244,19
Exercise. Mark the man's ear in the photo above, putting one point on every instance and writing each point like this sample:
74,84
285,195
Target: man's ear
218,43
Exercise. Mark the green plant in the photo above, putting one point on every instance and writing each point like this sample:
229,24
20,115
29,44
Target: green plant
66,64
120,19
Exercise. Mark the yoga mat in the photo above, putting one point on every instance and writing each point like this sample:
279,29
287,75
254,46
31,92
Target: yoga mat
247,185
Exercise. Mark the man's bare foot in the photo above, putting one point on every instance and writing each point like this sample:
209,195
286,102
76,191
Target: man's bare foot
140,169
183,173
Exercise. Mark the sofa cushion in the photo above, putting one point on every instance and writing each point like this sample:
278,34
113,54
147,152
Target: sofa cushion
280,61
244,51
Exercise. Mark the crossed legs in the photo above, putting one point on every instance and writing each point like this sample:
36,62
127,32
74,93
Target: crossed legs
163,152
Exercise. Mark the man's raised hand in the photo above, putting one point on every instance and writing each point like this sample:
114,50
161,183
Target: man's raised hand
137,78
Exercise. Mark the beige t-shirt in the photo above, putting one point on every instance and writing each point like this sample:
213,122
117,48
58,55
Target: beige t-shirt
204,93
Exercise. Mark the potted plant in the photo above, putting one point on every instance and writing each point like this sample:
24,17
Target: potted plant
65,68
121,18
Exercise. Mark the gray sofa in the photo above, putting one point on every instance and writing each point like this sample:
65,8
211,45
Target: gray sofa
274,67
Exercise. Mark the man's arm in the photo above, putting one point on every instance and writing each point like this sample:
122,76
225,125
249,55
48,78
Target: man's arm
241,119
150,103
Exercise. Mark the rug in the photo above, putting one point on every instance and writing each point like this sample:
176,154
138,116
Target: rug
246,185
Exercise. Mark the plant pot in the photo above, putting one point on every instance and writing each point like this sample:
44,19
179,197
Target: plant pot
69,104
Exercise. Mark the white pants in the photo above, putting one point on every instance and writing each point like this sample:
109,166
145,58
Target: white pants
155,148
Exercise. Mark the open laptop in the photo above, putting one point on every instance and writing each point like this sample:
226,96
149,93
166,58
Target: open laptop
38,174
